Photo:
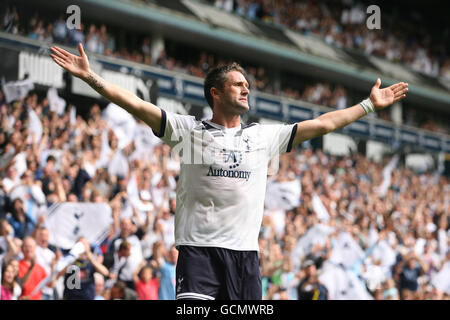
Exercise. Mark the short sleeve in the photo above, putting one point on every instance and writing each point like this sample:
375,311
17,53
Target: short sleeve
174,126
279,138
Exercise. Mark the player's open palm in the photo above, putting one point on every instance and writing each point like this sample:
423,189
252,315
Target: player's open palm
382,98
76,65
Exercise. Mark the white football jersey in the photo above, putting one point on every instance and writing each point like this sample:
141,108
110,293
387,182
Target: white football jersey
222,181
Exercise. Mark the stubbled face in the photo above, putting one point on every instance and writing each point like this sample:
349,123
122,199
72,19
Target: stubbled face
29,248
126,227
234,96
43,237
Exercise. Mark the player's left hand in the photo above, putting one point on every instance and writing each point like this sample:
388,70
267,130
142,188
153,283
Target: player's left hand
381,98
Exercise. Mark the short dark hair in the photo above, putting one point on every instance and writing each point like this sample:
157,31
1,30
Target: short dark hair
51,158
216,78
120,285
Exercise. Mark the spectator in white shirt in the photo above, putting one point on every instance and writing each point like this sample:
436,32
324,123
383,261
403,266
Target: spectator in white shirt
46,258
135,258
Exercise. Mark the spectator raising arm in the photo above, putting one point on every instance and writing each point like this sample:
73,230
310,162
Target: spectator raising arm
79,67
13,250
100,268
331,121
137,270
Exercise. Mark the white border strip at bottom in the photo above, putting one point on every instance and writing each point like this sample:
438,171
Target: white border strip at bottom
194,296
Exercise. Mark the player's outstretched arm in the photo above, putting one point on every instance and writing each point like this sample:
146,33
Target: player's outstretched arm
334,120
79,67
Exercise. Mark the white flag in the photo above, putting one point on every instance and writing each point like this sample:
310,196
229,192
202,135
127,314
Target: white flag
132,188
318,234
35,126
319,209
282,195
68,221
57,104
145,139
105,151
442,241
441,280
16,90
384,252
346,251
342,284
73,115
387,172
118,166
121,122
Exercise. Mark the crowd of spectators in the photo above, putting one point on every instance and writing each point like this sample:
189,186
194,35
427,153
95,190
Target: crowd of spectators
403,230
137,261
404,221
343,24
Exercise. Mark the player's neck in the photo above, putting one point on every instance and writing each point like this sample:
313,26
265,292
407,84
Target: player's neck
230,121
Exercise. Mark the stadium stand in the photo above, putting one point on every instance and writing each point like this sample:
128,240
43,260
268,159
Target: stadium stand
314,90
334,227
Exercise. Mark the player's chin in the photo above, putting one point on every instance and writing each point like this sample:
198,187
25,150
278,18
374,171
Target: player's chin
244,106
242,110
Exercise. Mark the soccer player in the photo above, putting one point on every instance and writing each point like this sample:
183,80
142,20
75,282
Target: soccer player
224,164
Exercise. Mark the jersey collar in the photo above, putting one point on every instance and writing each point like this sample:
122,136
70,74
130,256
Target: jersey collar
210,124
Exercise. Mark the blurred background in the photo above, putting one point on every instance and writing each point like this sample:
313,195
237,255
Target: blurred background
362,213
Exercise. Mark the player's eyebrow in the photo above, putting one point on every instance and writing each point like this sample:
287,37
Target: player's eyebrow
245,83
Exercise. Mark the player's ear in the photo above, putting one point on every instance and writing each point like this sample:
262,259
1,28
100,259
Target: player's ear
214,92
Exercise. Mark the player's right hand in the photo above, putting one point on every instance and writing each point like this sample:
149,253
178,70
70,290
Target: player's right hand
76,65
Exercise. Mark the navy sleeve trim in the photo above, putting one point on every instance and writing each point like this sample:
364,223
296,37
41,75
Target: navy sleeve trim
291,139
245,126
162,130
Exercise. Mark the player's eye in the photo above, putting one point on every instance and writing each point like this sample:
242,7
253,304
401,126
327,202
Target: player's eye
243,84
